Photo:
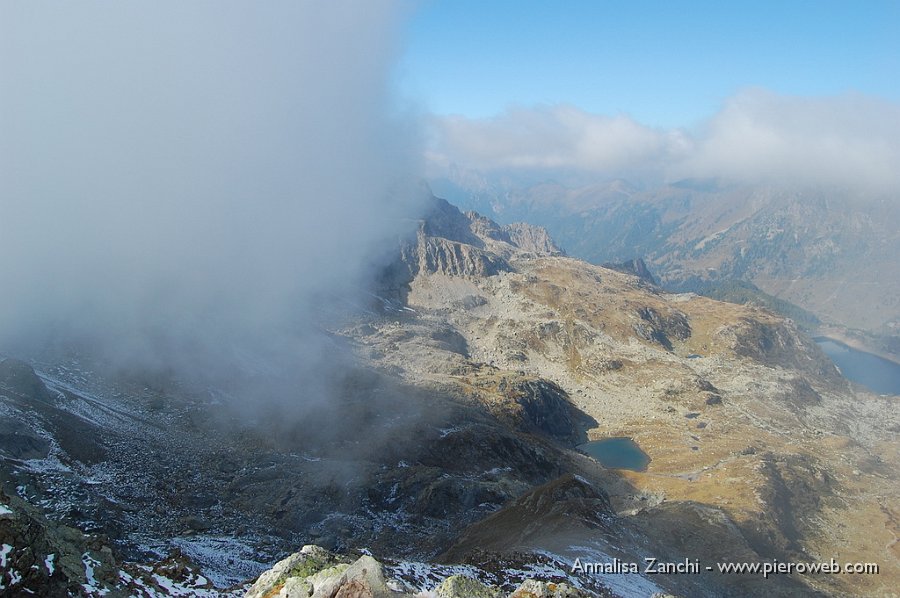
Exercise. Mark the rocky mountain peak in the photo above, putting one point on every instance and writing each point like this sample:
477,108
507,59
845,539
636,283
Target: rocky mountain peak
532,239
454,243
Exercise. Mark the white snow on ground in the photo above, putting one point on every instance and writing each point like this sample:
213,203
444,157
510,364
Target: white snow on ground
88,405
48,562
166,587
14,577
496,471
91,586
4,511
7,410
4,553
447,431
51,464
223,559
173,588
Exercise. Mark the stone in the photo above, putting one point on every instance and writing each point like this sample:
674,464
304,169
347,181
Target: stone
460,586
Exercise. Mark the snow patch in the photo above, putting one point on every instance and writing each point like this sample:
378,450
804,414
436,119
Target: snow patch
51,464
91,586
164,587
14,577
447,431
223,559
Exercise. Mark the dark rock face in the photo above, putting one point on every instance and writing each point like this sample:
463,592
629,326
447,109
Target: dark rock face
447,222
29,568
714,399
673,542
562,502
781,344
568,488
544,408
661,328
795,484
635,266
37,416
18,442
481,447
802,394
18,377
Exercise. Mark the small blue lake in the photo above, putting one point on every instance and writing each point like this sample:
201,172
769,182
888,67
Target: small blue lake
617,453
880,375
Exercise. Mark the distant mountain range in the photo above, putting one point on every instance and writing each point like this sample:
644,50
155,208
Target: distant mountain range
830,253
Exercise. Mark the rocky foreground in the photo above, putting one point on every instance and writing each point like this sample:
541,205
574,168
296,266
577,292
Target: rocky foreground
316,573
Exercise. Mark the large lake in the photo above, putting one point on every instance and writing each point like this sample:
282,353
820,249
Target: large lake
880,375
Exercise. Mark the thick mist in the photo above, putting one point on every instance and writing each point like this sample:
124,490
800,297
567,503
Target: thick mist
184,185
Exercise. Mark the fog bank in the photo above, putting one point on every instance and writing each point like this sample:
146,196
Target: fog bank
183,183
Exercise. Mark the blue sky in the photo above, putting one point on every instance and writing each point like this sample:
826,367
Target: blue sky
667,64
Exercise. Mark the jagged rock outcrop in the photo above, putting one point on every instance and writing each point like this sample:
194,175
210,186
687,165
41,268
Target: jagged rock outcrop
662,327
537,406
635,266
532,239
452,243
533,588
485,228
44,559
316,573
776,342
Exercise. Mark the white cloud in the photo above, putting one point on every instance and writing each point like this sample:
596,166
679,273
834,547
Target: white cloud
550,138
849,140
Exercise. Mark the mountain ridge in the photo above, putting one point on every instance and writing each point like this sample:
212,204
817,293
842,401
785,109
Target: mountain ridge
828,251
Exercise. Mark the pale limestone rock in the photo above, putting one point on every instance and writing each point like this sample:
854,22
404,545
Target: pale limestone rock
459,586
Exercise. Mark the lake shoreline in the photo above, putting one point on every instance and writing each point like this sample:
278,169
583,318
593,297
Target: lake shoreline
881,376
840,338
